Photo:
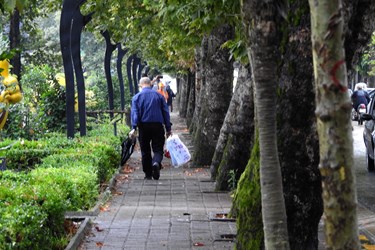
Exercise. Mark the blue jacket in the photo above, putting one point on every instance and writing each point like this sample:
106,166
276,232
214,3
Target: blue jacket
360,97
149,106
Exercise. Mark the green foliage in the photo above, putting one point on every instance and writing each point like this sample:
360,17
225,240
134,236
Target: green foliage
232,181
5,53
64,175
42,109
367,63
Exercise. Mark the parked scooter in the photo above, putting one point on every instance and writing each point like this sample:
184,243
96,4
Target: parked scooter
356,114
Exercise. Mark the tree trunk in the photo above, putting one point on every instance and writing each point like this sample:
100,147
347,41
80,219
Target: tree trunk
236,135
107,67
262,23
199,82
191,100
183,95
178,94
358,28
247,205
297,138
334,126
215,98
14,42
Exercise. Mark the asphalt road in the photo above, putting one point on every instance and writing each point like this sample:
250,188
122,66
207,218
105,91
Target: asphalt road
364,180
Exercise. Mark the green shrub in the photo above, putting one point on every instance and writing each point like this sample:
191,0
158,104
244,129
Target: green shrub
63,175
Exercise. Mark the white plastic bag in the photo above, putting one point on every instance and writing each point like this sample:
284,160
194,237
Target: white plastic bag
178,151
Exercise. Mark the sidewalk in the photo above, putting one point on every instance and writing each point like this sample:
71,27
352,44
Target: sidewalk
181,210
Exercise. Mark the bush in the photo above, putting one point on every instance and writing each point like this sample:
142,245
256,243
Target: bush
63,175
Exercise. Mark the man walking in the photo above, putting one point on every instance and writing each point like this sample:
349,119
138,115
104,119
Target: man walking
149,112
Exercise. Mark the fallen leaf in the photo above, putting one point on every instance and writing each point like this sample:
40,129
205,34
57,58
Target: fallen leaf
104,208
98,229
198,244
99,244
117,193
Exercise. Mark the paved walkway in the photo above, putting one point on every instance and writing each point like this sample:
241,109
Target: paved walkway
178,211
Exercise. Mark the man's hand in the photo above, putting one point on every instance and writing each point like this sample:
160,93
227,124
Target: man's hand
168,134
133,133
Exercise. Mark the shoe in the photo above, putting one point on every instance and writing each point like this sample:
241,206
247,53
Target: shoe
148,178
156,171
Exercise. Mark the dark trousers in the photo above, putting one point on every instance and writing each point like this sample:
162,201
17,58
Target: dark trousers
151,137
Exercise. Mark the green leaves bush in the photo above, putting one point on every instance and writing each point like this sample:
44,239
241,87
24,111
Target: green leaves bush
62,175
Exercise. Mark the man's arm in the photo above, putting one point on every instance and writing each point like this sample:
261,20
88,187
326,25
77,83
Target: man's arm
134,114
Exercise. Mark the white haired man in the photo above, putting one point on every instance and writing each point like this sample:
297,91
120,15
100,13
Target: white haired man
150,114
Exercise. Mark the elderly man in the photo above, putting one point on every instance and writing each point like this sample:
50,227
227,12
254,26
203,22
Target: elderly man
150,114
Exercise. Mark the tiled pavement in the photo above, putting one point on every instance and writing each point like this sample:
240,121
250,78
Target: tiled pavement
178,211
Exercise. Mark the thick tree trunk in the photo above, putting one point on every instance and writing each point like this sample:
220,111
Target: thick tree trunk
247,205
358,28
297,138
215,98
334,126
191,100
183,95
199,82
236,135
178,94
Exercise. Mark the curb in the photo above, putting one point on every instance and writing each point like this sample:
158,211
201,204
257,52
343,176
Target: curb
77,238
86,225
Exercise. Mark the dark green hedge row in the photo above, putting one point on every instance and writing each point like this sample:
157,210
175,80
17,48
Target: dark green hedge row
48,177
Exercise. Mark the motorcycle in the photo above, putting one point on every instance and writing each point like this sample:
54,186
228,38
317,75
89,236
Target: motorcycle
356,114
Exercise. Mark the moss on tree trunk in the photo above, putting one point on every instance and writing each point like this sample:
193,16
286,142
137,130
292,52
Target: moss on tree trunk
247,207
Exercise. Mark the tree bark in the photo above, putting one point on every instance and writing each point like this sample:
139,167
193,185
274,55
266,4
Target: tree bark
107,66
183,96
247,205
236,135
215,98
358,28
199,82
15,41
262,23
191,100
297,137
334,125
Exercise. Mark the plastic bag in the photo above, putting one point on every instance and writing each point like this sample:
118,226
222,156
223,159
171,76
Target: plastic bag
178,151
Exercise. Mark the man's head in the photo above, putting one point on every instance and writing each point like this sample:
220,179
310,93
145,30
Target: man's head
145,82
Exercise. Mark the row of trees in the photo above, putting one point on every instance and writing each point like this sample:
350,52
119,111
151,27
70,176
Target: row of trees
275,131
